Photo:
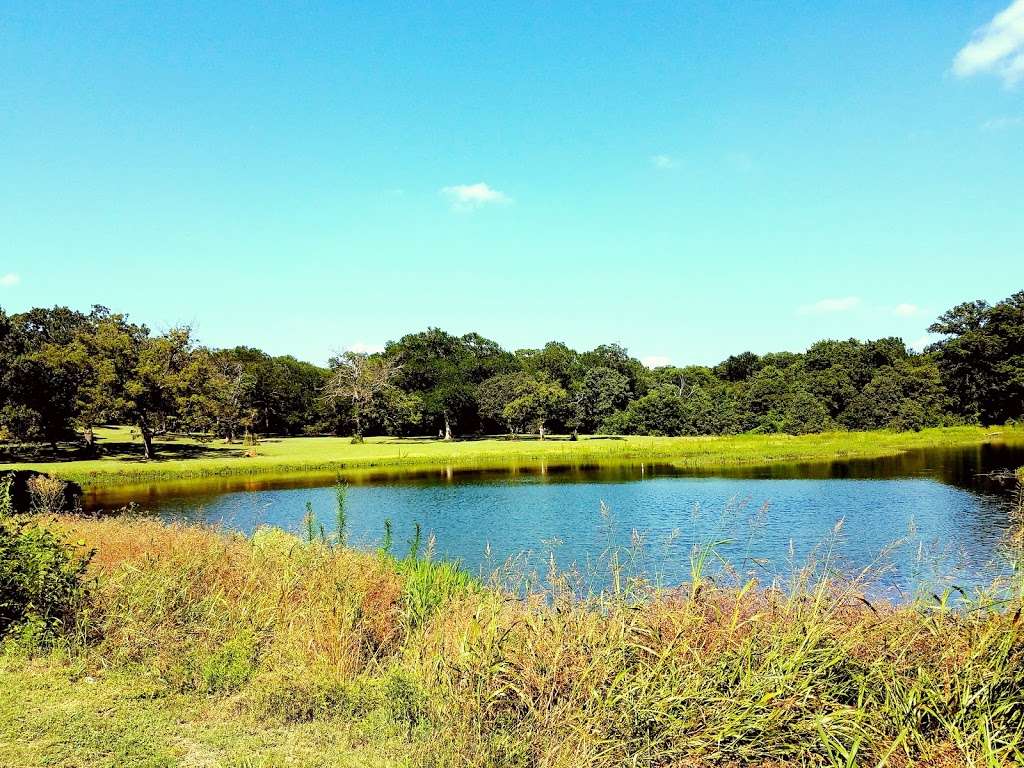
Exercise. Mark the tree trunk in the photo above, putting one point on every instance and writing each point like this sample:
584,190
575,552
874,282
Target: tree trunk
147,439
358,418
447,427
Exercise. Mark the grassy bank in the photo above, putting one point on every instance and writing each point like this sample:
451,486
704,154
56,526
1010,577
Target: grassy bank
184,458
204,648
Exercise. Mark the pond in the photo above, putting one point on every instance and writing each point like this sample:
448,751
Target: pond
922,520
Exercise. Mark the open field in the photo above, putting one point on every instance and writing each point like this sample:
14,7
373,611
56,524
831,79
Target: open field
184,458
200,648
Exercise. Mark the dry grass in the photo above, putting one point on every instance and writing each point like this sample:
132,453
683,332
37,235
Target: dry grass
272,630
269,597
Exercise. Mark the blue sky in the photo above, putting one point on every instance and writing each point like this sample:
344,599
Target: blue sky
689,180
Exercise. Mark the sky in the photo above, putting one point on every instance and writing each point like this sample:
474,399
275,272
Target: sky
689,180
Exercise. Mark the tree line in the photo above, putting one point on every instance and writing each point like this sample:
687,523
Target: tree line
63,372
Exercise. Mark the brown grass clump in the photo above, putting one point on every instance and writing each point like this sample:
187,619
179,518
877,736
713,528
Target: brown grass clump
173,597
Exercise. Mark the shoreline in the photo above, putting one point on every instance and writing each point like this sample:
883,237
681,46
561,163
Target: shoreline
292,457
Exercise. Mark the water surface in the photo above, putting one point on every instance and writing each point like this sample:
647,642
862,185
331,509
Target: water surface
944,505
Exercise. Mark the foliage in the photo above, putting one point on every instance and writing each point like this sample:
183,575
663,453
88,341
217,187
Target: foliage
6,497
42,578
982,358
657,413
62,370
443,371
600,393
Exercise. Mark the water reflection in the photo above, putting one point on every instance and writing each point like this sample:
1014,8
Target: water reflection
975,468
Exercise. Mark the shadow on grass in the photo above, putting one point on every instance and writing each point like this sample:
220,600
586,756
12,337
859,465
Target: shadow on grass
119,450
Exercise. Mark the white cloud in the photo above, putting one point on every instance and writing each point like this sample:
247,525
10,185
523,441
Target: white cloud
362,348
6,281
906,310
998,47
656,361
469,197
663,162
1002,123
824,306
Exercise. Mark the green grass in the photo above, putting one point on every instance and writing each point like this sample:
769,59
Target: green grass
55,712
185,458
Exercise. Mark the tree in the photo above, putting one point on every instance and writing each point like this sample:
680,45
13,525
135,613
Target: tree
907,395
556,362
600,393
494,395
356,378
661,412
222,397
394,412
444,371
617,358
44,368
134,377
766,396
804,413
709,410
538,405
738,367
982,358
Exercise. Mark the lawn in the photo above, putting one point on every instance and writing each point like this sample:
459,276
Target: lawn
56,712
182,457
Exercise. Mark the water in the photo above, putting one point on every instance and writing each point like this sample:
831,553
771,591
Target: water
947,514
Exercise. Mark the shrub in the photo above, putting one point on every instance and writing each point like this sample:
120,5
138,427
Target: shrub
6,496
48,495
42,578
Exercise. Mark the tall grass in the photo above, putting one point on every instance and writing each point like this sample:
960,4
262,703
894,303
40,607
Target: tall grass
713,673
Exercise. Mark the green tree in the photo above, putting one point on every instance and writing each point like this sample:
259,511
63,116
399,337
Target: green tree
44,366
494,395
907,395
804,413
134,377
541,403
596,396
739,367
660,412
617,358
982,358
444,372
555,361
